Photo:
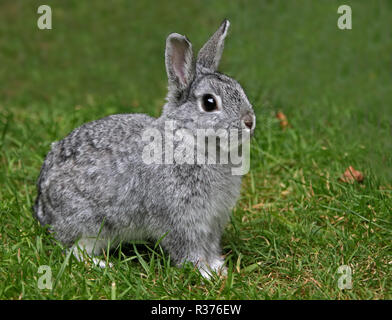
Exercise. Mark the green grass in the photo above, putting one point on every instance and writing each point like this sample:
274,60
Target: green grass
295,223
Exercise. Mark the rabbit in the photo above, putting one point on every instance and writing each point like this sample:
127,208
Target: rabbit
95,190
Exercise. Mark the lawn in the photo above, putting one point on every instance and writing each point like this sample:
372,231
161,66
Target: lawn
295,224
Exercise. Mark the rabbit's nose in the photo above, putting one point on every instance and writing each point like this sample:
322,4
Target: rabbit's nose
248,120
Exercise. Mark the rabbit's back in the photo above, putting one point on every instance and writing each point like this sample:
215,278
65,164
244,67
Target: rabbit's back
92,172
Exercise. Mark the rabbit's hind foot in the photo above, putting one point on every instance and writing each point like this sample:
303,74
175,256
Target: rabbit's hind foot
86,248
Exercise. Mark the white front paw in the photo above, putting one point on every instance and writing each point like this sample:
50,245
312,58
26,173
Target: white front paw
216,266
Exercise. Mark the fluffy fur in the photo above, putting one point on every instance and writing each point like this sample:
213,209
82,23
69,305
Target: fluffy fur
94,186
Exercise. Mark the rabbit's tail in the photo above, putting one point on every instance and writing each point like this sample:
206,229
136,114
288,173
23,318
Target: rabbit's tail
39,211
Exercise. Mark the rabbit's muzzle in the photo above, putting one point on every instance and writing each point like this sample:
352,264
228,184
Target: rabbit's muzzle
248,121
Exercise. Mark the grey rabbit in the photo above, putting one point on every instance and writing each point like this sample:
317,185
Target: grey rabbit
95,189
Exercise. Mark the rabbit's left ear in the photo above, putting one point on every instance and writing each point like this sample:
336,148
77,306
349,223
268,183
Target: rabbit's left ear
211,53
179,62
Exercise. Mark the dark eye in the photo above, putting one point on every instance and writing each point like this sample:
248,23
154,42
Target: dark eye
209,103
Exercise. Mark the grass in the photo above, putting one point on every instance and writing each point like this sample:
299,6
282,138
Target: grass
295,223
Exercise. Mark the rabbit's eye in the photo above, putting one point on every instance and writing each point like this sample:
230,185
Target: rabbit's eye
209,103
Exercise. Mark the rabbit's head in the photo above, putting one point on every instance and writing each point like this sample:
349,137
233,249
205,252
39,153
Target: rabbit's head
199,96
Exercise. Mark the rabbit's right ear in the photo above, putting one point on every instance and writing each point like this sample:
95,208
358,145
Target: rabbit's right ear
180,66
211,53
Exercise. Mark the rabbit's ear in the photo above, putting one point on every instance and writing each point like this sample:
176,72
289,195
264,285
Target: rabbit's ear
179,62
211,53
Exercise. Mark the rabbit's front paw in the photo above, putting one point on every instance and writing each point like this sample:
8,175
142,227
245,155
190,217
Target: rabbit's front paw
216,266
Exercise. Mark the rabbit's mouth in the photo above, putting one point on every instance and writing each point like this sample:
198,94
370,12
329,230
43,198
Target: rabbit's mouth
248,122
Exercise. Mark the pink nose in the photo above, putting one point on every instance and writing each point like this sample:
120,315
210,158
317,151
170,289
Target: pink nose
248,120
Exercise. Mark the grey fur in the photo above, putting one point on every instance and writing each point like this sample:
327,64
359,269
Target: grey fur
94,185
211,53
